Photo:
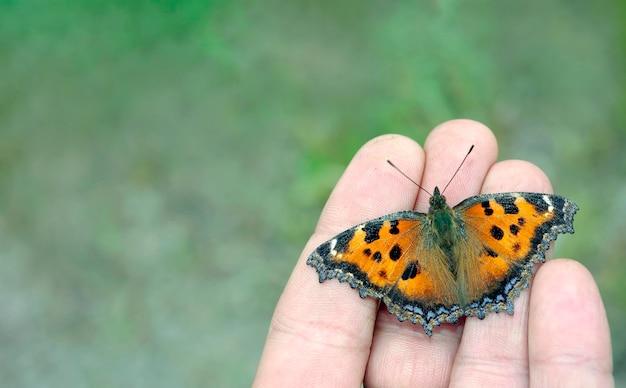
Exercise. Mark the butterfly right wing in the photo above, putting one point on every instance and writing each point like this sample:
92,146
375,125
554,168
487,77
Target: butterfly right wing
513,232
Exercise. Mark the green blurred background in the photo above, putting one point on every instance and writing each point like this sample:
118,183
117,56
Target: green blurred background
163,162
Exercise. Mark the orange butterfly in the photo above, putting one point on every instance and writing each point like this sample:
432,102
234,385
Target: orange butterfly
469,260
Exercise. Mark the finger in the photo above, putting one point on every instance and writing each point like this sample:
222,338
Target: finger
401,353
321,333
569,341
493,352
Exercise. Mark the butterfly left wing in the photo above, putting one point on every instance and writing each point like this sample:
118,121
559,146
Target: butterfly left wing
371,257
515,231
386,258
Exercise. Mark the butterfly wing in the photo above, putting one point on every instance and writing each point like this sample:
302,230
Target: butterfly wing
371,256
515,231
385,258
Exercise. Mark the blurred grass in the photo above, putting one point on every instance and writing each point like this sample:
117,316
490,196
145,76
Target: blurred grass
162,162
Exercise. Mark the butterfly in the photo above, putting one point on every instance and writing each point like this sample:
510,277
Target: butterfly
432,268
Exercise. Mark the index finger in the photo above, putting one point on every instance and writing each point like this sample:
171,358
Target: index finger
323,332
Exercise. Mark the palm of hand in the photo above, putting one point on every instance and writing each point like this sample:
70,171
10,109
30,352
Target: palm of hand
327,336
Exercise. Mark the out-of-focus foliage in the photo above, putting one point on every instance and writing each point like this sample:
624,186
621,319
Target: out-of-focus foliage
162,162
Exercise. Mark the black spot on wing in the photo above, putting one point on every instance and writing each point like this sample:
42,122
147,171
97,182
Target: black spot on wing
508,204
411,271
343,240
395,252
367,252
371,230
394,227
490,252
487,207
377,257
521,221
541,206
514,229
496,232
324,249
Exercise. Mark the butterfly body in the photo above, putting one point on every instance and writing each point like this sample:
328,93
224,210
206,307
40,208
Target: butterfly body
467,260
443,228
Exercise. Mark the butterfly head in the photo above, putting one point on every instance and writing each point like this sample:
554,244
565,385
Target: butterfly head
437,201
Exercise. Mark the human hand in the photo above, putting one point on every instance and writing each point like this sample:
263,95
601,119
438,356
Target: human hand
326,335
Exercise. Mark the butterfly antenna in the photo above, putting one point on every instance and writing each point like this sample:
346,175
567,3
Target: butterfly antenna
407,177
458,168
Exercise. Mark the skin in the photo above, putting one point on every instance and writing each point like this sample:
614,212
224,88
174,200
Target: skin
325,335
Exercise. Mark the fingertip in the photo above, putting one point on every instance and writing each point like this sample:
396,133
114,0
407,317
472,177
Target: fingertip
446,147
390,146
568,282
570,270
370,187
516,175
566,287
388,137
466,131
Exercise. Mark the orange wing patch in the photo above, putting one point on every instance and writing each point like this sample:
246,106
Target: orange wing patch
492,269
380,249
507,226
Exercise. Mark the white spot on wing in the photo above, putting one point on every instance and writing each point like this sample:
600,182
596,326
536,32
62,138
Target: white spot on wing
546,199
333,244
